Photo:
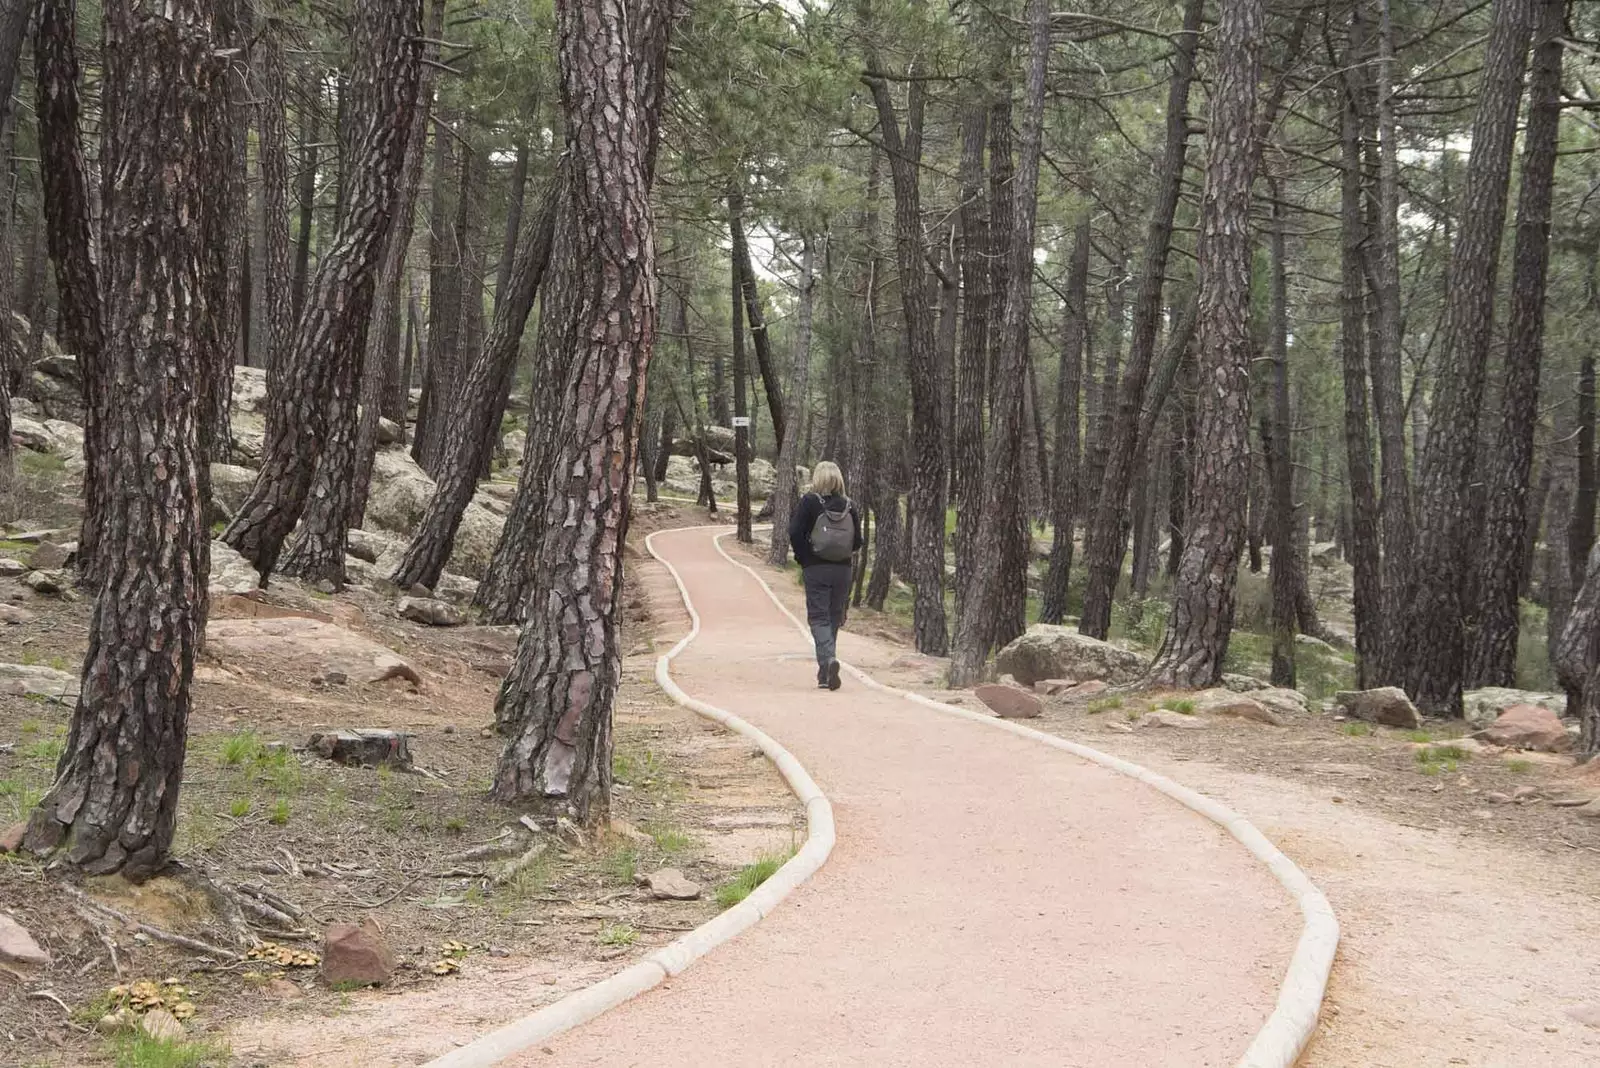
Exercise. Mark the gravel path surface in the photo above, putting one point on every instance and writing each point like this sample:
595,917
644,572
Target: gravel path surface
990,900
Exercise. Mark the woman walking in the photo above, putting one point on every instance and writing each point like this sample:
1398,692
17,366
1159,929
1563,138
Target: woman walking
825,532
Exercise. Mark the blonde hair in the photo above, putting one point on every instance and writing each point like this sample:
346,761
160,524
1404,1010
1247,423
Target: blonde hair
827,480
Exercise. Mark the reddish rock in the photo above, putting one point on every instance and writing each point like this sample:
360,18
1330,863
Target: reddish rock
1010,702
358,955
17,945
1529,727
1052,687
11,839
1087,689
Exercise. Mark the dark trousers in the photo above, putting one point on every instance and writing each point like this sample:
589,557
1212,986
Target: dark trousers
827,597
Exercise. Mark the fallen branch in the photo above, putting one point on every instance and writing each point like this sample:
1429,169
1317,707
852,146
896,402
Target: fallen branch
194,945
49,995
508,871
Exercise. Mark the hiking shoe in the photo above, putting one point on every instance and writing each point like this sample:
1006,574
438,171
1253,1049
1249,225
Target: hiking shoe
833,675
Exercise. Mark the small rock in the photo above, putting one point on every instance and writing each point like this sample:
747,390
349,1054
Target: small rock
427,610
283,990
162,1026
11,838
356,954
1051,687
419,590
1525,793
1224,702
389,432
1590,810
1164,717
1120,728
45,582
1009,702
113,1023
11,615
1528,727
499,951
336,678
669,884
10,568
1387,705
449,728
51,556
326,586
17,945
1495,797
1087,689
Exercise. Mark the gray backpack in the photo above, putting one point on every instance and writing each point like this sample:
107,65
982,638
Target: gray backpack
833,535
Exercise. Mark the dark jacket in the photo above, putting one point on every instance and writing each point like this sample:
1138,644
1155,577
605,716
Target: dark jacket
804,518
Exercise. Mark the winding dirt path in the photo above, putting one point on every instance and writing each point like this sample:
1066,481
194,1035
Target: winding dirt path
989,901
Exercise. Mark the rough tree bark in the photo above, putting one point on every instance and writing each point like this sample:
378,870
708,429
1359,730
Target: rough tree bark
1064,492
759,338
14,16
306,197
976,626
1435,640
272,155
113,806
315,397
926,512
1493,658
1107,531
69,235
471,432
1204,589
387,294
225,247
564,678
783,494
455,324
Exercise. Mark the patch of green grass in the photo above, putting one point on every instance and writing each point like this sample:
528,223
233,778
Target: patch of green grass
456,824
1519,767
241,748
617,934
1420,736
743,884
1105,704
30,726
45,750
59,663
1441,754
636,769
29,658
39,463
240,808
279,816
1184,707
138,1050
15,548
1356,729
670,840
18,798
1431,769
622,864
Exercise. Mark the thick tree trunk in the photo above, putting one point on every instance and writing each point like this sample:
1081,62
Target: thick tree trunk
741,407
1064,492
1493,659
783,494
14,16
1107,533
1363,545
228,219
1204,592
472,433
1445,501
272,155
759,337
70,234
114,801
886,546
310,416
564,679
516,197
926,512
382,337
1580,525
663,452
976,626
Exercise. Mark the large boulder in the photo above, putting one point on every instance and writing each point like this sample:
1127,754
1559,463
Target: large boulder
231,572
249,438
513,445
230,485
1528,727
250,390
36,680
1388,706
54,436
476,538
1483,707
1224,702
763,477
308,645
30,434
355,955
1050,652
683,477
400,491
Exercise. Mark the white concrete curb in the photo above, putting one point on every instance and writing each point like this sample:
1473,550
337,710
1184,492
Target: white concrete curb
1283,1037
584,1005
